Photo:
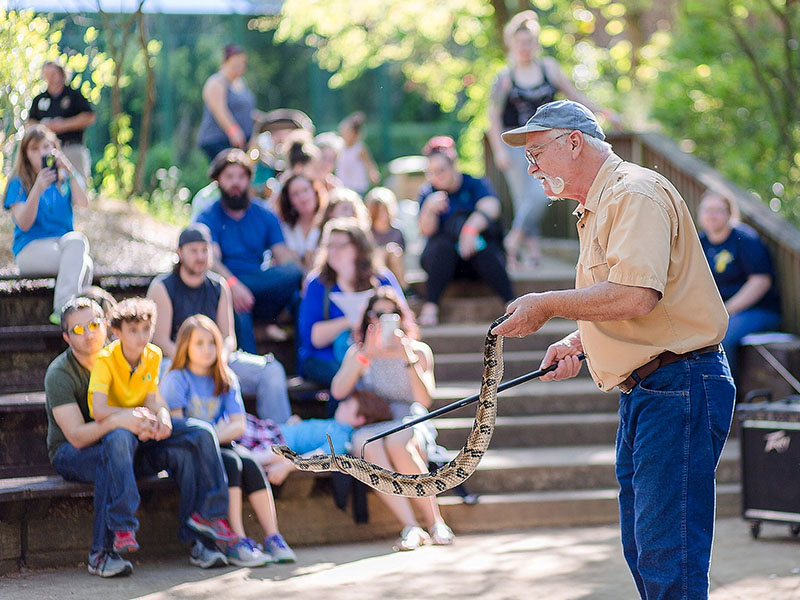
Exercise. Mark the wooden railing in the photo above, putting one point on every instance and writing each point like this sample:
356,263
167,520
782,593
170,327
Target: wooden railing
692,177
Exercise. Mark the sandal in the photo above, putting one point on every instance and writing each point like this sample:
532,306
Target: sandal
441,534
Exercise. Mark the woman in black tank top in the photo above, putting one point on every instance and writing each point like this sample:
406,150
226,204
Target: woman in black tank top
530,81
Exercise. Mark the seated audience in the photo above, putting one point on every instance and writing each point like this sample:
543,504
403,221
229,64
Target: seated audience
243,231
344,202
382,205
199,385
355,166
40,194
300,209
336,293
742,269
310,436
130,442
398,367
459,215
192,288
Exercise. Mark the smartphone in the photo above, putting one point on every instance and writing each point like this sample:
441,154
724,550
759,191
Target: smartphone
48,161
389,322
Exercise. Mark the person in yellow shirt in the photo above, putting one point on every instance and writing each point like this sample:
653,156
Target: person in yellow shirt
125,377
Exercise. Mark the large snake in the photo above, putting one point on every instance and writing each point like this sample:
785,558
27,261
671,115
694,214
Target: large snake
444,478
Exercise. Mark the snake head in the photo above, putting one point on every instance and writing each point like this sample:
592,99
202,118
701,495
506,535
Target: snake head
285,452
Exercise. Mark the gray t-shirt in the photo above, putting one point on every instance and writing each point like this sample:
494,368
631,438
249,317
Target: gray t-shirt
66,382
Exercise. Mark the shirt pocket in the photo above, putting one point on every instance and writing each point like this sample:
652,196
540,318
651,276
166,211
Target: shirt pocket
594,264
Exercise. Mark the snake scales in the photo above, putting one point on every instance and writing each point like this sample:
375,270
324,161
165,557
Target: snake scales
448,476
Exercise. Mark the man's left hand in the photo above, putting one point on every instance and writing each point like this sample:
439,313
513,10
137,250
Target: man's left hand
528,314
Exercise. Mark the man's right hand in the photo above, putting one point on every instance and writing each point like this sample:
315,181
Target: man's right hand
243,299
564,352
437,202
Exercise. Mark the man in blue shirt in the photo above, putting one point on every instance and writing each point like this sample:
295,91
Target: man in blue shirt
248,247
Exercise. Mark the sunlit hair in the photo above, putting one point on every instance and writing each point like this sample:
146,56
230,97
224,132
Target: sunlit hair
408,322
372,407
230,156
365,253
730,204
442,145
342,195
527,20
354,121
287,212
132,310
34,136
329,139
220,372
302,152
589,140
379,197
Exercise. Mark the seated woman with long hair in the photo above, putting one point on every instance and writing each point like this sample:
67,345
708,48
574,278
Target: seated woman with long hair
41,193
337,290
399,368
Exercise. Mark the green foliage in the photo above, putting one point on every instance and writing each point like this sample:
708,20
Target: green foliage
116,168
450,50
169,200
731,93
27,41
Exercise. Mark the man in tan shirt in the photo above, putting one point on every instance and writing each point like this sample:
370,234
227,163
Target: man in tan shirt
650,320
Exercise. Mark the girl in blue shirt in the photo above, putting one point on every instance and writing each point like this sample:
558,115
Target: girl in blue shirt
40,200
200,385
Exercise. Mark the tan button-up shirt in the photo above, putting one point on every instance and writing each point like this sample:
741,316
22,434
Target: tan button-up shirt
635,229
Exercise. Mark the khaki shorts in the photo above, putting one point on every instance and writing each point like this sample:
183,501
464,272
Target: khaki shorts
79,156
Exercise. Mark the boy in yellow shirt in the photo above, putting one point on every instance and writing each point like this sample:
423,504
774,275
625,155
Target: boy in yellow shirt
125,377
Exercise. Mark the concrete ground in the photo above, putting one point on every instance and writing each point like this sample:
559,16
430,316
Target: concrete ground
546,564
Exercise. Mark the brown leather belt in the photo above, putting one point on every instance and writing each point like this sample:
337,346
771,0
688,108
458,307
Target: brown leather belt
665,358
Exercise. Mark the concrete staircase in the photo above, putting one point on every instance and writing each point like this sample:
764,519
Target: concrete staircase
550,462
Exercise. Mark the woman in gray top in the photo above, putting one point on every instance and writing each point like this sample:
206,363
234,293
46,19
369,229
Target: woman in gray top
229,105
399,368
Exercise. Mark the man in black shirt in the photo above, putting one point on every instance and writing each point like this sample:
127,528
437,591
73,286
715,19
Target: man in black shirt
67,113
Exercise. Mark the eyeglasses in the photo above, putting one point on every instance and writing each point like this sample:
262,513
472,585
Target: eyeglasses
90,326
531,159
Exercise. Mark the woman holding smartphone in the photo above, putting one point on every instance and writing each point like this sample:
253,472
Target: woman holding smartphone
40,195
392,363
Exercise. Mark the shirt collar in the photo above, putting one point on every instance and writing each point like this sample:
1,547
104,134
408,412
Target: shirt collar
600,181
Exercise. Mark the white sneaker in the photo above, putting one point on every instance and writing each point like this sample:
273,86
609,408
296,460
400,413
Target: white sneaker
411,538
279,549
206,558
441,534
245,553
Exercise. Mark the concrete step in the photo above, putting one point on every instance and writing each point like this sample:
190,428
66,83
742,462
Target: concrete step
471,337
499,512
579,395
507,470
466,366
534,431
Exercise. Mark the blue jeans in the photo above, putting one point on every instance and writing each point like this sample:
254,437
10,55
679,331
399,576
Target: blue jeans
274,289
190,455
672,428
744,323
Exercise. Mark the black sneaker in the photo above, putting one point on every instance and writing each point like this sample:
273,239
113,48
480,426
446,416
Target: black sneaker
109,564
206,558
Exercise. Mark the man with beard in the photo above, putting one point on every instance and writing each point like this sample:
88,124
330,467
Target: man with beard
248,247
192,288
650,320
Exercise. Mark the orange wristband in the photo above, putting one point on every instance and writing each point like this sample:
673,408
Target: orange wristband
470,230
231,130
232,280
362,359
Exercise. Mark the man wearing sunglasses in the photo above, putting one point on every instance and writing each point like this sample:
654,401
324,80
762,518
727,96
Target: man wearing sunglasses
650,320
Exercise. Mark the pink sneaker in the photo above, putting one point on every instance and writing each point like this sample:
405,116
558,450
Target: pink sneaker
219,529
125,541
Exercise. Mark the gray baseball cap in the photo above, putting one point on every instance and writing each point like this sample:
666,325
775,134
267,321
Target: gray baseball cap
561,114
196,232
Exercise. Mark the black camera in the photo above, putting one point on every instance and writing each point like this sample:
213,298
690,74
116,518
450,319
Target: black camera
49,161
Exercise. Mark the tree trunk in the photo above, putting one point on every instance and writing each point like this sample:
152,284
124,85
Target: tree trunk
147,110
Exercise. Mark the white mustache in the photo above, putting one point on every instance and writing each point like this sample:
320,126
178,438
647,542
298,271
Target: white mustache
556,184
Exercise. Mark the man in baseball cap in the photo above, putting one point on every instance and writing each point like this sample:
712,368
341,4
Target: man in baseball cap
650,320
